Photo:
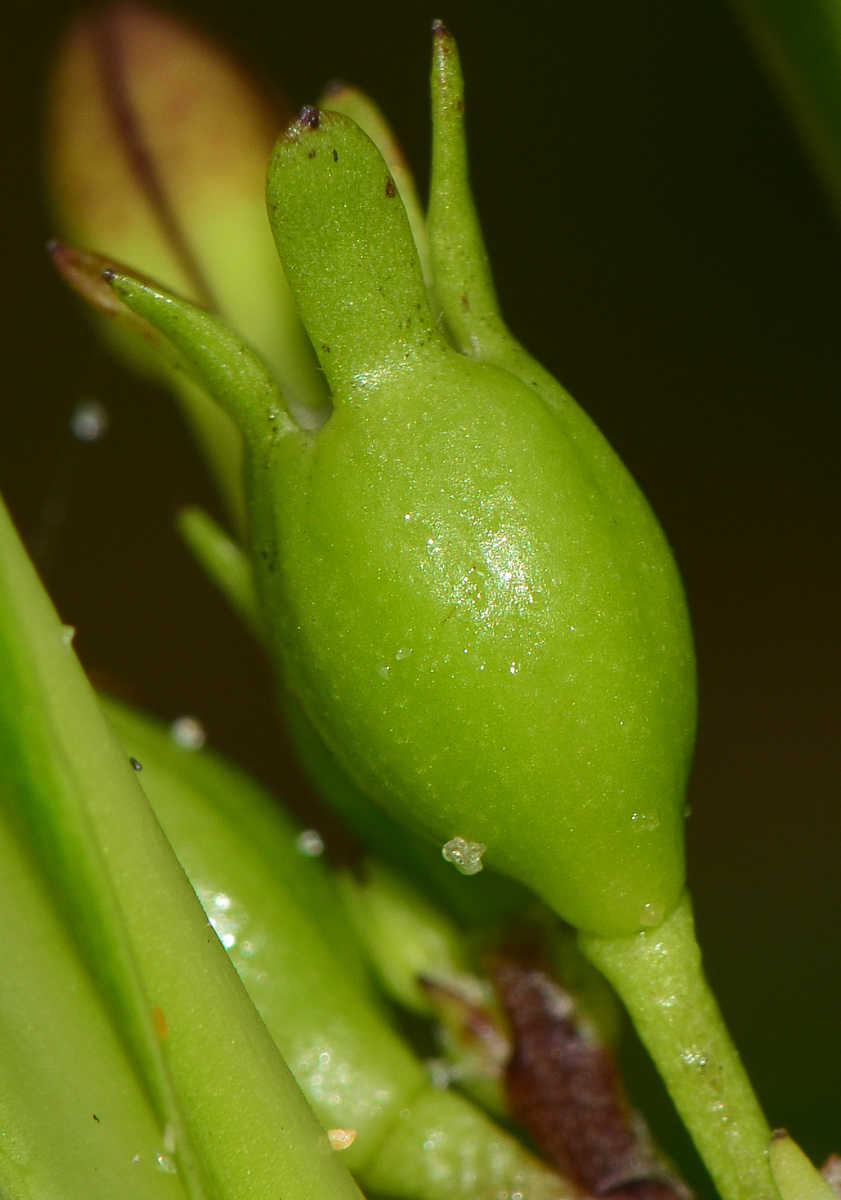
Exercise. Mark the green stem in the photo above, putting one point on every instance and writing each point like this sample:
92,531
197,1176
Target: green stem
658,975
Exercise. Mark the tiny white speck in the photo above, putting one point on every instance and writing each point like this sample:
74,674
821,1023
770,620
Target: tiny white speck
188,733
310,843
89,421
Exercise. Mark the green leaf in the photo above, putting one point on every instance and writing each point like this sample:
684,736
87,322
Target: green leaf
74,1122
239,1124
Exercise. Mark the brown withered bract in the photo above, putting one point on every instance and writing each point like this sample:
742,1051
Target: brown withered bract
563,1086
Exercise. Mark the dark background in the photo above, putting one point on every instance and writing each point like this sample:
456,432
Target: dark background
660,243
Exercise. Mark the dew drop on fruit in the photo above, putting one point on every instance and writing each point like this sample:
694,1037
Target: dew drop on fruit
465,856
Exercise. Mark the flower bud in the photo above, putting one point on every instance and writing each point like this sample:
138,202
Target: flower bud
157,144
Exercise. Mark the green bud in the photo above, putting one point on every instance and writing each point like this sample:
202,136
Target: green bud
408,940
156,150
795,1176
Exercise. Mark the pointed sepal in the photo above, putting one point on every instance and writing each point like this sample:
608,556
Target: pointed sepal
225,562
346,245
351,102
153,354
213,355
460,264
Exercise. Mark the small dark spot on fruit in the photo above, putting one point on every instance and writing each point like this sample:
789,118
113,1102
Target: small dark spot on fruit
311,154
96,1118
138,766
460,106
325,348
335,156
465,302
390,189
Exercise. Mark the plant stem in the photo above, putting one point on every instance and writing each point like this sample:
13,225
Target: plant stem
658,975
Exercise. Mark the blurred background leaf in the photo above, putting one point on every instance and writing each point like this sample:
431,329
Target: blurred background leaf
661,244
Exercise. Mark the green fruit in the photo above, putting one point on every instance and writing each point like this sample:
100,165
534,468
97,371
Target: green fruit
468,593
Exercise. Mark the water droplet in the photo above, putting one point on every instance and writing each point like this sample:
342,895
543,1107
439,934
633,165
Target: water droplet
89,421
433,1139
165,1163
513,668
68,632
310,843
221,901
439,1073
646,820
340,1139
188,733
138,766
652,914
403,652
465,856
169,1139
135,1158
384,669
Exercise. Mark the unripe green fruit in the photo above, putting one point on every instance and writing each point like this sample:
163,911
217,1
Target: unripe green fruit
468,592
